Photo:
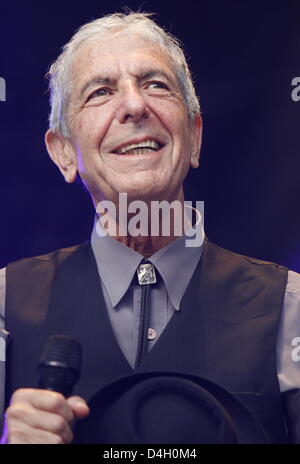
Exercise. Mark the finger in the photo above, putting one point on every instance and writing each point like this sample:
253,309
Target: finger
20,417
24,434
79,407
44,400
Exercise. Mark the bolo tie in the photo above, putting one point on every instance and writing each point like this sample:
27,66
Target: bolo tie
146,277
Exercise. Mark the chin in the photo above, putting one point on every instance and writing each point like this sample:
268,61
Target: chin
137,190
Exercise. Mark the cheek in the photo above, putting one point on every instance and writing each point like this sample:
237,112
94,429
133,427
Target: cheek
182,139
85,133
182,152
90,128
177,125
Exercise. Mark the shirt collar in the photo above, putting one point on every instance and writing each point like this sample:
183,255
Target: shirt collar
117,265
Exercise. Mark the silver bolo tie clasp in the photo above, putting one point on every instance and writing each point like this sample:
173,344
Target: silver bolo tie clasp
146,274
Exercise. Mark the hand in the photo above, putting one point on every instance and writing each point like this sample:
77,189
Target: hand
42,416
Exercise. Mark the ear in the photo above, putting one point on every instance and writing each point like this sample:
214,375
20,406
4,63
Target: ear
196,141
62,154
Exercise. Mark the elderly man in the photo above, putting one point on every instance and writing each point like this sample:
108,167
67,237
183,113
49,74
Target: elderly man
125,118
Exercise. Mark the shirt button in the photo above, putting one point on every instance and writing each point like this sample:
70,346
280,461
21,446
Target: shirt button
151,334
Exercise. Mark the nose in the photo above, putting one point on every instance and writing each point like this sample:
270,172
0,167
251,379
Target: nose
132,104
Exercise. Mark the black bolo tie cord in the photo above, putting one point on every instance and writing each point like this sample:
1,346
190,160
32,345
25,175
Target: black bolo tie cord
142,347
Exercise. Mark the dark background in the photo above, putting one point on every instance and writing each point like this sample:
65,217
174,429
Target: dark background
243,54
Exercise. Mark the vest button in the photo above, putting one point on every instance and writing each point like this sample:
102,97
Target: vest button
151,334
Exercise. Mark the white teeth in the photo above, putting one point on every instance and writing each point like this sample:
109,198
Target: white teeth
146,144
138,151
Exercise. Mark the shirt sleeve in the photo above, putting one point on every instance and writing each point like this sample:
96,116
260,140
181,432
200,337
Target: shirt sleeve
288,341
3,340
288,356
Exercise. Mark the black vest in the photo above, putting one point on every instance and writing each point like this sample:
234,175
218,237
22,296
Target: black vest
226,329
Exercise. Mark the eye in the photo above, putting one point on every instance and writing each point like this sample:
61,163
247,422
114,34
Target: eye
102,92
158,85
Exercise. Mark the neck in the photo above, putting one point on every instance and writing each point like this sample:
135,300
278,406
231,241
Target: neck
146,246
136,230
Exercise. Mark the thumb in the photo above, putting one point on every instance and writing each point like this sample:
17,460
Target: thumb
79,407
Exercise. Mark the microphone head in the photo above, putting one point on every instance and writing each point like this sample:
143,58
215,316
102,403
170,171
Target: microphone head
60,364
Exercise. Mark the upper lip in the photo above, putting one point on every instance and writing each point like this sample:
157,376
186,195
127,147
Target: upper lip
137,140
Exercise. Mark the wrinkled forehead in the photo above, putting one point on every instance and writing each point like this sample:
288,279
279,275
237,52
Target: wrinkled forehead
107,52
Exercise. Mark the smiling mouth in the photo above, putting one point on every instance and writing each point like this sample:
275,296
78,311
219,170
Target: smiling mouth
142,148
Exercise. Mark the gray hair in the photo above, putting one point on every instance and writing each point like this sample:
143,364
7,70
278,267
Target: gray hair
59,72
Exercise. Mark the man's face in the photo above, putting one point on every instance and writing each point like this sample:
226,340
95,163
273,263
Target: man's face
129,125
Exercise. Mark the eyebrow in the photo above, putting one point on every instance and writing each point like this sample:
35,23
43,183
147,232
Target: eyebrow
154,73
100,80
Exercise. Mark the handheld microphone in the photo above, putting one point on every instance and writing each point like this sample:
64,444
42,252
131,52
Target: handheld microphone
60,364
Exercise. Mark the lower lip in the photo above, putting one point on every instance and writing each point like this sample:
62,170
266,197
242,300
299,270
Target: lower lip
144,155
